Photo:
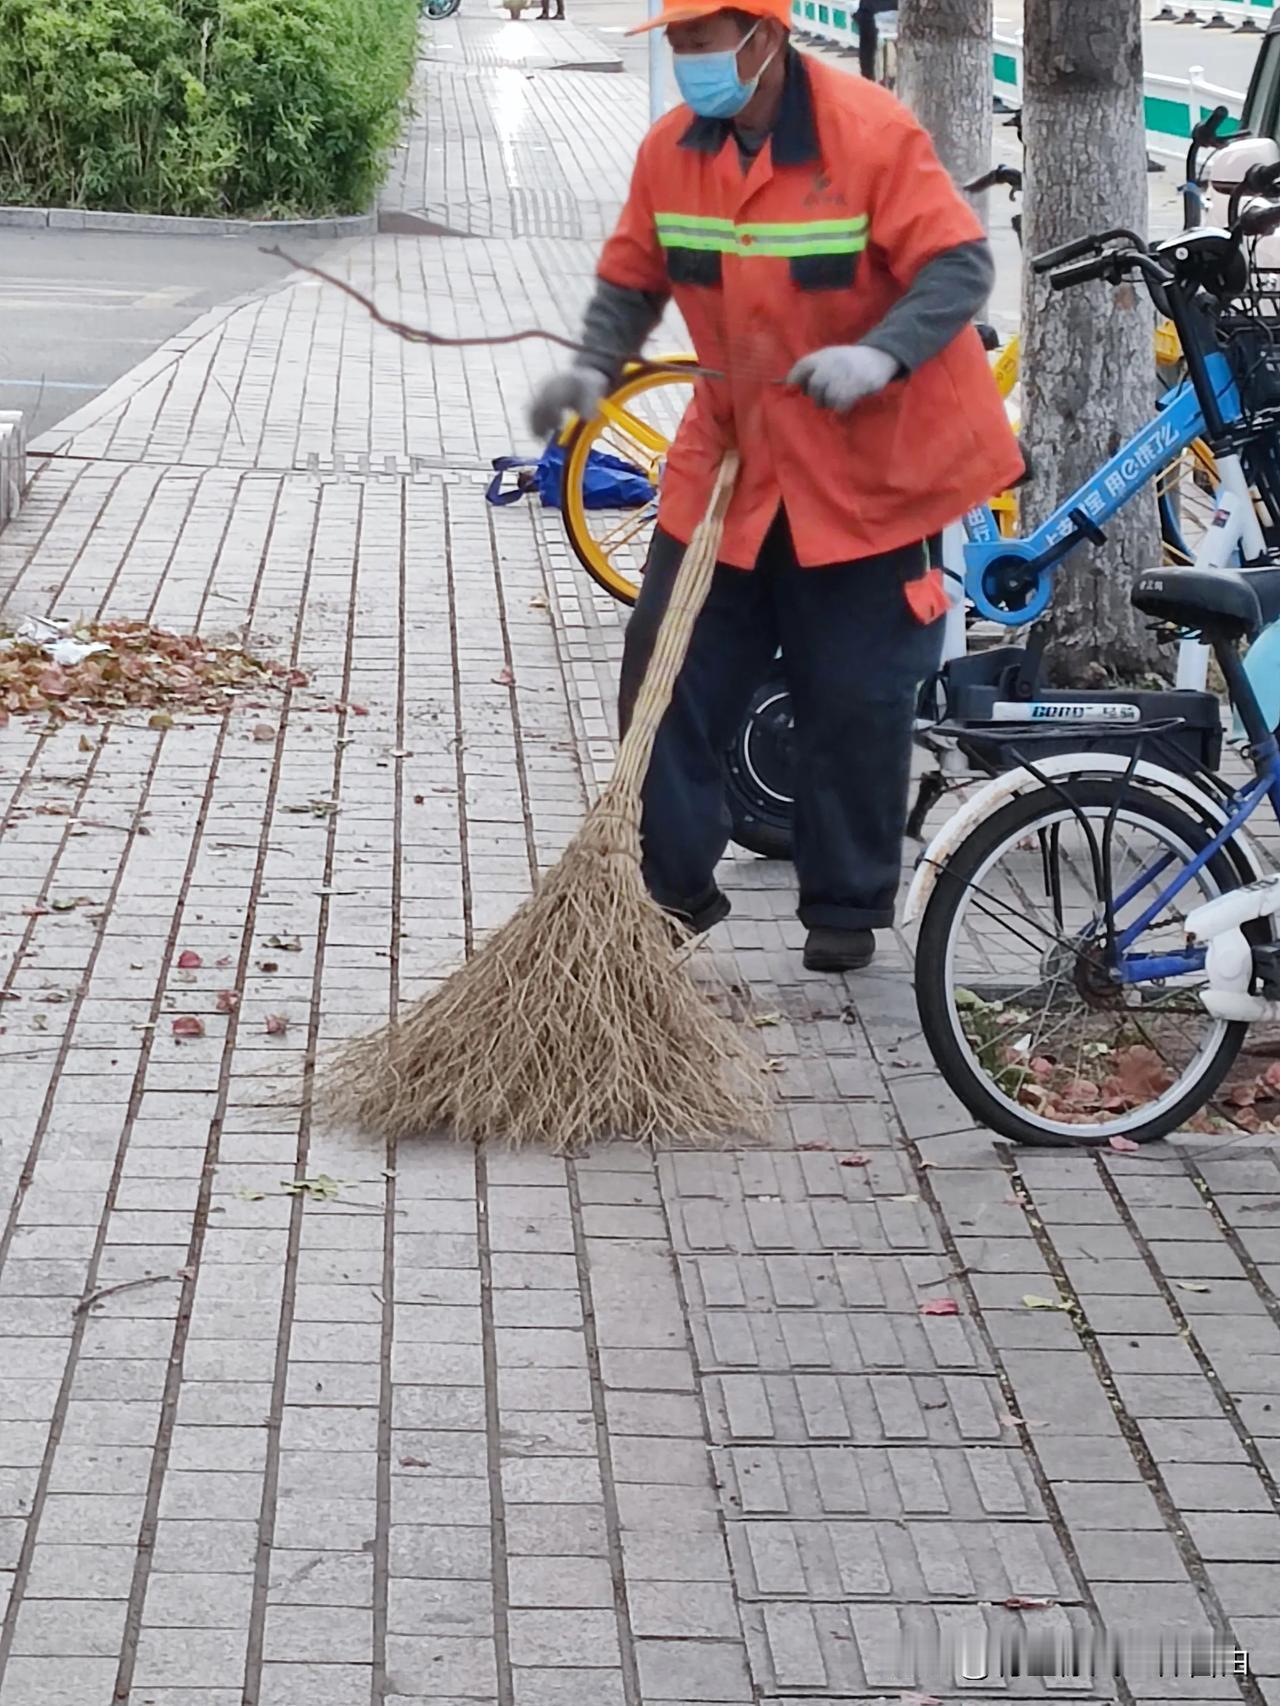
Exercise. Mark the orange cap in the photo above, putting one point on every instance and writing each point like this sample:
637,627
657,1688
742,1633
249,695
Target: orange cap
685,11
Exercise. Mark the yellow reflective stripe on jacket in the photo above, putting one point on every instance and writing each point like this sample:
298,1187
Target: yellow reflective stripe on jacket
788,239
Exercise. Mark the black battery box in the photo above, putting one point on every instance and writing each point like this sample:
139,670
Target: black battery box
978,698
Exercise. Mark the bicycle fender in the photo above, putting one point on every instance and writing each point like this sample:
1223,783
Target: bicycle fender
1001,789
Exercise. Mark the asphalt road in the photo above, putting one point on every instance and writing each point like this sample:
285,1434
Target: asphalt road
1171,50
79,308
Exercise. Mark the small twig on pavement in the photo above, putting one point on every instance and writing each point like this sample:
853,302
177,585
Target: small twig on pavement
92,1297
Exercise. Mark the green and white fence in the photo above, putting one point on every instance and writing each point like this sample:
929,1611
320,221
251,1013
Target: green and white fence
1173,105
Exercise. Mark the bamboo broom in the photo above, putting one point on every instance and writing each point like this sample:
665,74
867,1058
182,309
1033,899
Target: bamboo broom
579,1020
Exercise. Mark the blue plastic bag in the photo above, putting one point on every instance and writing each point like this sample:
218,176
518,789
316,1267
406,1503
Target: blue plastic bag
609,482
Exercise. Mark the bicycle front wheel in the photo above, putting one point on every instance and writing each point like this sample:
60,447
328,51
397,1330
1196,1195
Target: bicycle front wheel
1013,979
637,422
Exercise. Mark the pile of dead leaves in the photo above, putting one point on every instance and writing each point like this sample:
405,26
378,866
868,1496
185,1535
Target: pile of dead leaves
134,667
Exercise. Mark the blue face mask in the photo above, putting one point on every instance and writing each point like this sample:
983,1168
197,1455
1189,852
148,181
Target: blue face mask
710,84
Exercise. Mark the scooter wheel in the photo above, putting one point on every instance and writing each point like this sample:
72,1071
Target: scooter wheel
758,771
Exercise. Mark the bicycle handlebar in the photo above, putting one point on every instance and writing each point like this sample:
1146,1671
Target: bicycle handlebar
1258,221
1084,272
1006,177
1052,259
1208,129
1113,264
1261,180
1258,180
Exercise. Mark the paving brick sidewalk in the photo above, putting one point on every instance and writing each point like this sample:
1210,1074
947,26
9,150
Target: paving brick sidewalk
619,1432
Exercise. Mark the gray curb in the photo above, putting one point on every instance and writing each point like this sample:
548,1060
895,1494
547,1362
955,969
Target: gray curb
171,225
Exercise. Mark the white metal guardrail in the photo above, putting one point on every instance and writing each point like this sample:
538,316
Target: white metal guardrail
1174,105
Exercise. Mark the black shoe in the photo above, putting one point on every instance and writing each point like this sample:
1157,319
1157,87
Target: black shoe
839,950
711,910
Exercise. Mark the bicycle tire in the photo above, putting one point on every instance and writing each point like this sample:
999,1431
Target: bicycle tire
578,442
936,1010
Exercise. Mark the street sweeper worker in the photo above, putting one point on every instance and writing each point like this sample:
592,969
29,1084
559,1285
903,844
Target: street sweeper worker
827,267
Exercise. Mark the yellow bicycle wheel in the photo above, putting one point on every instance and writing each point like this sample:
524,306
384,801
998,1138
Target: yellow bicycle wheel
637,422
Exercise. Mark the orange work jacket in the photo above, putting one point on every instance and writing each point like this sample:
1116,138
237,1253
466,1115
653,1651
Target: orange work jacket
811,246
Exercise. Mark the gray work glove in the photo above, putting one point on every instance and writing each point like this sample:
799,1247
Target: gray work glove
838,377
573,391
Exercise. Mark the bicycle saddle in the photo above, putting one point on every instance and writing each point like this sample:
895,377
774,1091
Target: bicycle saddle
1229,603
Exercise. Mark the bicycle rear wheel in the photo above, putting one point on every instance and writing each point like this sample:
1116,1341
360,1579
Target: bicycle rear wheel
1012,977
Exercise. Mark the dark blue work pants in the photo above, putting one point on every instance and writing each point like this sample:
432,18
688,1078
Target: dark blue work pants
854,657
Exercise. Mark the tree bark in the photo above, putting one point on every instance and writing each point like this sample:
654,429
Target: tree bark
944,76
1088,373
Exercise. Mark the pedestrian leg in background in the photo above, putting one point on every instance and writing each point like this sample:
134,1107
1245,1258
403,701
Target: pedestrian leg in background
686,822
855,656
868,42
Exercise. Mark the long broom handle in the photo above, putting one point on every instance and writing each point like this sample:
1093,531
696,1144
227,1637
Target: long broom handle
689,594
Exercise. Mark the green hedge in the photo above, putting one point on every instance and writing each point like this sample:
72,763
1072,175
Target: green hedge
259,108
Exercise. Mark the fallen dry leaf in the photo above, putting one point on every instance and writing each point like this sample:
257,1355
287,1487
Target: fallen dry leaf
1124,1146
264,731
1034,1302
940,1306
1018,1602
189,960
1190,1285
322,1188
159,720
228,1000
85,744
855,1160
504,678
188,1026
277,1024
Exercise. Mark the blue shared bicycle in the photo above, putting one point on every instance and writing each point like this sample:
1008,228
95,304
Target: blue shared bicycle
1096,923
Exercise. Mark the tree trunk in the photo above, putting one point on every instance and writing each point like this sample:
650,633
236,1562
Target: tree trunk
1088,373
944,76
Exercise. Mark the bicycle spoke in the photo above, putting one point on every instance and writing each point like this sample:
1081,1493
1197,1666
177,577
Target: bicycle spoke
640,431
624,531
